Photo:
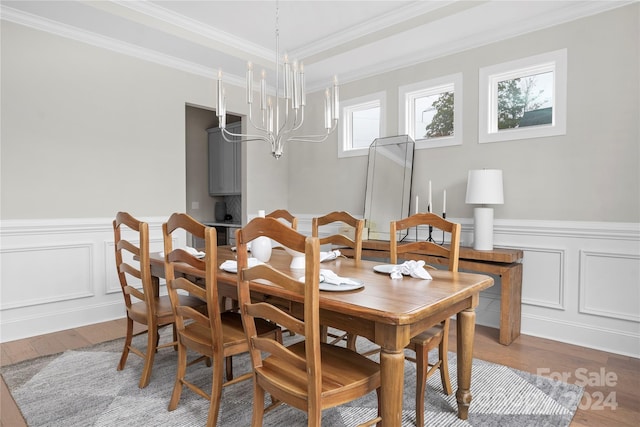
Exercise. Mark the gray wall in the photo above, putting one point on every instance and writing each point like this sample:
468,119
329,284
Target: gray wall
87,132
589,174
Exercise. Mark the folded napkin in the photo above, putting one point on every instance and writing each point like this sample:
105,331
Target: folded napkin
328,256
191,251
232,264
328,276
410,268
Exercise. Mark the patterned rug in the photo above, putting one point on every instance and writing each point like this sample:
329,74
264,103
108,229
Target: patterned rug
82,388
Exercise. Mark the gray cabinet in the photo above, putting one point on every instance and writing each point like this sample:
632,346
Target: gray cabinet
225,177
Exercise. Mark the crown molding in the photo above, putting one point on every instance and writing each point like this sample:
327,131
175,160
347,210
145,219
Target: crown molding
573,11
184,23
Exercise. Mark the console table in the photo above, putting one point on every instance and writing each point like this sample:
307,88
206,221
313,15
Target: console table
503,262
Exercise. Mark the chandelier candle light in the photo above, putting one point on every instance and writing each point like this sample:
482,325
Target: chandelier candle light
284,114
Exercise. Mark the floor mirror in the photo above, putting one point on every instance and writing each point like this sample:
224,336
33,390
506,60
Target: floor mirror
388,192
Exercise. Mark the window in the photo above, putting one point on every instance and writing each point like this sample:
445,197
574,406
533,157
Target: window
431,111
361,121
525,98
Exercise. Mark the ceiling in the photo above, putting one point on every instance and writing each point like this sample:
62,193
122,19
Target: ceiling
351,39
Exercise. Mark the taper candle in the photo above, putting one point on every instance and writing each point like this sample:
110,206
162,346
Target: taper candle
444,202
430,203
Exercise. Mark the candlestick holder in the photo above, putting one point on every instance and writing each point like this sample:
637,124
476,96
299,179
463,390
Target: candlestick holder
444,216
430,238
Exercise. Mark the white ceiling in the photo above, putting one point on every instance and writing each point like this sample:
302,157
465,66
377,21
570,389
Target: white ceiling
349,38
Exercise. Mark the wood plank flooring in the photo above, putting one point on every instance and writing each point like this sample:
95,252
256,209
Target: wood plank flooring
592,368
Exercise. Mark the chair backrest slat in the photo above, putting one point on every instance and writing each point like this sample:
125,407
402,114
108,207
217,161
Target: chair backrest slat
286,215
451,252
340,239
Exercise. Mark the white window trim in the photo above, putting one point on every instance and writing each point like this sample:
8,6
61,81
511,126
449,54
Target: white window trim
555,61
406,96
346,107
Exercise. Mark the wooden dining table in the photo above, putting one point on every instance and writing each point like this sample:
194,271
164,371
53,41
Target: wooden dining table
388,312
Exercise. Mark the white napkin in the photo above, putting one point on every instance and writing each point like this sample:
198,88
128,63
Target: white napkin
191,251
328,276
410,268
232,264
328,256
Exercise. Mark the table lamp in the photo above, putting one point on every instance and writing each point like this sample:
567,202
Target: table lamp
484,187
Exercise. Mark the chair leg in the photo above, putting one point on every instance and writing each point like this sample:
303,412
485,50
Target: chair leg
216,390
152,348
314,415
127,344
182,368
258,404
443,349
351,341
422,365
175,335
229,368
324,333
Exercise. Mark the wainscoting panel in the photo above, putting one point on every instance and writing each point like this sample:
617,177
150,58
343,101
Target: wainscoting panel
610,285
580,280
61,272
543,277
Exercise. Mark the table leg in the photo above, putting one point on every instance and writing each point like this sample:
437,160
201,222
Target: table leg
465,332
392,385
510,304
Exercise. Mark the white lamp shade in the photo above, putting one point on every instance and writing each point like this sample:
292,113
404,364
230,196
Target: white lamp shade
484,187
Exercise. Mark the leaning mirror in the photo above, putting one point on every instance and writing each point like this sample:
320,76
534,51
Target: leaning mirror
388,191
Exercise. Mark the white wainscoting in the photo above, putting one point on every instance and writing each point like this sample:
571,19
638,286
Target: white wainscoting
581,280
60,274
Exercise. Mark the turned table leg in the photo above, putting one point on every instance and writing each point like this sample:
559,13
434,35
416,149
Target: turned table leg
392,380
465,332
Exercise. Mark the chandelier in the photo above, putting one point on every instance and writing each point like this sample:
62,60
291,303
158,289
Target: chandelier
280,116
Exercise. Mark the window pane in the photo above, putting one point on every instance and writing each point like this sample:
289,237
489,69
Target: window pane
433,116
365,127
525,101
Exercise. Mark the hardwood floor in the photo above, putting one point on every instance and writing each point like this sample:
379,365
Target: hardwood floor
609,379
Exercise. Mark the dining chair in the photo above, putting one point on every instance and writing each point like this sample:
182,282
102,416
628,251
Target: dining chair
286,215
438,335
309,375
140,292
214,335
341,240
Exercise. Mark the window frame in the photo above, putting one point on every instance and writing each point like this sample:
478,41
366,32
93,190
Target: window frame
407,95
347,107
490,76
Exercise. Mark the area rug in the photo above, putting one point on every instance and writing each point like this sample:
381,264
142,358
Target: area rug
83,388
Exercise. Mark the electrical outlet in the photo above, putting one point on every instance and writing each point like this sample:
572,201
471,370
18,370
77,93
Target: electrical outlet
195,205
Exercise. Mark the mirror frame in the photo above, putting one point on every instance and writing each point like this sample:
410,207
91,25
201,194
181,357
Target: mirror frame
382,203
